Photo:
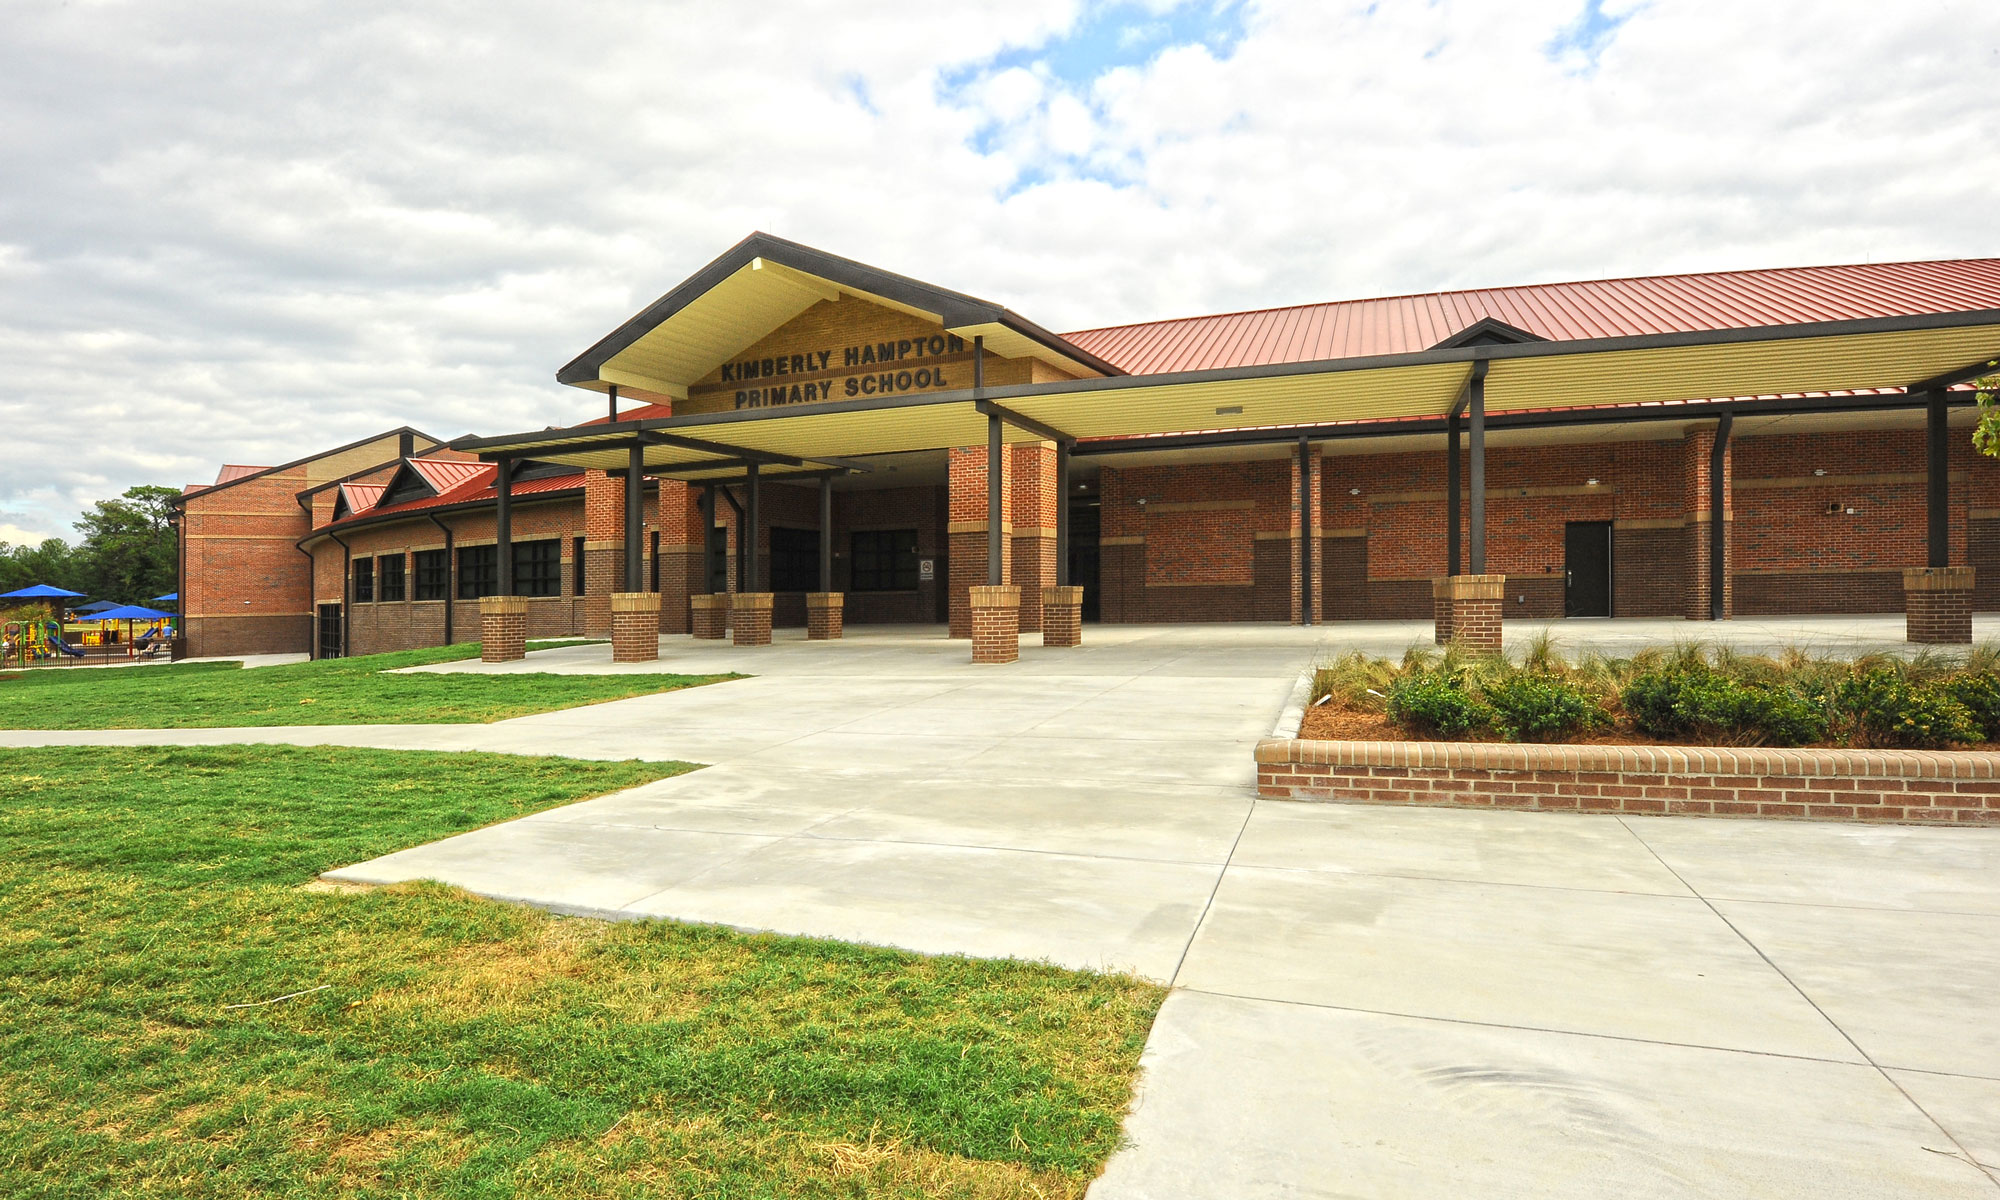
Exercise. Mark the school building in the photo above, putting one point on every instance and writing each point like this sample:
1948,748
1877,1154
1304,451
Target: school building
793,439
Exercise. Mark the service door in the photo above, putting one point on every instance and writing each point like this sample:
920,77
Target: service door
1587,569
1085,522
329,631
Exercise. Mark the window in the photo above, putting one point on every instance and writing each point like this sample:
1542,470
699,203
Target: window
538,568
576,565
389,577
478,572
885,560
364,580
794,560
433,575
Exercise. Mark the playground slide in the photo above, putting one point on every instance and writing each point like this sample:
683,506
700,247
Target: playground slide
57,644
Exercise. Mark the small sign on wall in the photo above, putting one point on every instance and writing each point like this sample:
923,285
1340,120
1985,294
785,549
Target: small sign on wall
926,570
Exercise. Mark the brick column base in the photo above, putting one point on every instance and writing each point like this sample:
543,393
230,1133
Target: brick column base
708,614
1441,608
1062,616
996,623
1473,605
635,626
751,618
503,628
1938,605
823,615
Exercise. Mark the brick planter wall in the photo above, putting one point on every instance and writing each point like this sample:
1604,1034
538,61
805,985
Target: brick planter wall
1441,609
708,614
1941,787
1938,605
1062,616
635,626
750,616
1469,610
824,612
503,628
996,623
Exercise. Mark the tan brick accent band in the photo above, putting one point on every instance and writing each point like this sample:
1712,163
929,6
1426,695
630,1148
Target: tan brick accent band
1937,787
824,612
503,628
635,626
750,617
1062,616
1467,609
708,615
1937,603
996,623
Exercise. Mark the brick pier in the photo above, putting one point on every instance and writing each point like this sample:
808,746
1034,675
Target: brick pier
503,628
751,617
1468,610
1062,616
824,611
635,626
996,623
1938,605
708,615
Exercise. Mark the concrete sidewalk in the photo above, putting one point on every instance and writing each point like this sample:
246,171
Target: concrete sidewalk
1368,1001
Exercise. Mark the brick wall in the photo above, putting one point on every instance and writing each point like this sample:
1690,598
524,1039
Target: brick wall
1212,542
1849,785
246,589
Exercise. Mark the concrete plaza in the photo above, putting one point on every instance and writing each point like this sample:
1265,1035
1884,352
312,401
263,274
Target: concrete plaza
1367,1001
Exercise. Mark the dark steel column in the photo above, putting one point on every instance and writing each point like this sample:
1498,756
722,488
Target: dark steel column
613,394
707,538
1453,517
1476,414
1305,533
1937,468
635,519
826,534
995,557
1062,514
748,540
503,527
1718,529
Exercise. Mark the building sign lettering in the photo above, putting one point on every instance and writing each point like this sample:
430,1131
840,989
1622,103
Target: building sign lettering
864,354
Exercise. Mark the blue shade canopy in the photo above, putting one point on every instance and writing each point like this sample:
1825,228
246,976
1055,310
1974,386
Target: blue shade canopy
169,596
39,591
96,606
131,612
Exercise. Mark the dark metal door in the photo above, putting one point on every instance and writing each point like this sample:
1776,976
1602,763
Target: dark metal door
1084,526
1587,569
329,631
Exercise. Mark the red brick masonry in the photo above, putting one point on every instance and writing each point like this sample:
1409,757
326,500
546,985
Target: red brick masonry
708,614
635,626
503,628
1062,616
996,623
1938,605
1468,609
750,617
1961,787
824,613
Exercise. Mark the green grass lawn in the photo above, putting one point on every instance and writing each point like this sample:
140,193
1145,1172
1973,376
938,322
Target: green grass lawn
338,691
464,1048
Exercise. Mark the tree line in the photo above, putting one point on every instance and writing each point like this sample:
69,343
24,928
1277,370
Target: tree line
126,551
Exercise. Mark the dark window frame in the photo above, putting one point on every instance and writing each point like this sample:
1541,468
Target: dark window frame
794,559
882,560
538,567
478,571
388,581
577,557
364,580
432,569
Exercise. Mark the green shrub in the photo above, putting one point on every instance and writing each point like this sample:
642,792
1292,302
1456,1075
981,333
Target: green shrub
1435,702
1534,707
1890,710
1979,692
1692,699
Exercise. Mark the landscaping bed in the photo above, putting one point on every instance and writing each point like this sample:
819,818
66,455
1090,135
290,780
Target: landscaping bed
1685,731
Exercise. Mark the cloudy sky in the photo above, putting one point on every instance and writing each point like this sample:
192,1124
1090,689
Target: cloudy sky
243,231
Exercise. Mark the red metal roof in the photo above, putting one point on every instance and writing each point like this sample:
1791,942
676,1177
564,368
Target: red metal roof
1556,311
229,474
444,474
362,495
476,486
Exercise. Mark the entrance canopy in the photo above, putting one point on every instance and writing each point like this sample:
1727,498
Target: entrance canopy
1913,355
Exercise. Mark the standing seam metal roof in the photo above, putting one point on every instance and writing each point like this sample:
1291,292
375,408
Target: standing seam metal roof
1556,311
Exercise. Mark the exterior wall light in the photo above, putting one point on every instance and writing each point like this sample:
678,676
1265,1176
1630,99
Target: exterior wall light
1819,470
1590,483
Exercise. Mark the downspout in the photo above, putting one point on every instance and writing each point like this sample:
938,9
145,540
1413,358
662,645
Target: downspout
450,569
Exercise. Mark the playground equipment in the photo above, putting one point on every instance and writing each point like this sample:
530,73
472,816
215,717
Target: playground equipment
27,642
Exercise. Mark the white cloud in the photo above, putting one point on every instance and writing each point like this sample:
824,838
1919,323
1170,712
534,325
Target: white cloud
239,232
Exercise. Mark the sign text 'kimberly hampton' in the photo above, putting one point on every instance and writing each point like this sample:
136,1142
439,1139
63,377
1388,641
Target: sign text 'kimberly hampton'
892,354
